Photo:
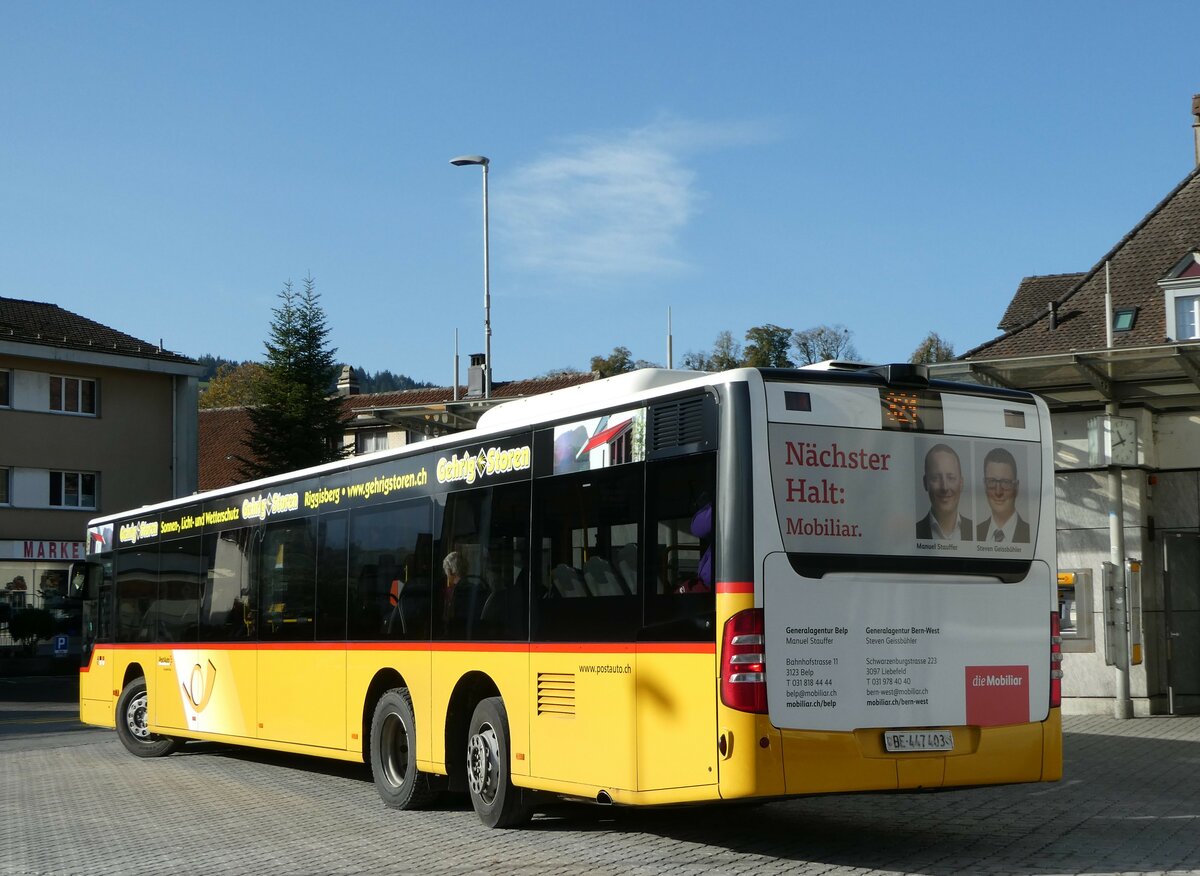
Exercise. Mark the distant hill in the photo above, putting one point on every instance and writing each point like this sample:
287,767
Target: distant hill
378,381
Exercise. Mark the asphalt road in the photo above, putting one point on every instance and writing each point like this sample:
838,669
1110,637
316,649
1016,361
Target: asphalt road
73,801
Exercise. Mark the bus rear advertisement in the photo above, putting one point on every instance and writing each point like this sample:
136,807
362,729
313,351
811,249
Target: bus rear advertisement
661,588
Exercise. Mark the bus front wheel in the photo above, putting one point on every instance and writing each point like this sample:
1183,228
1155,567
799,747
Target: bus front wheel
496,801
133,708
394,754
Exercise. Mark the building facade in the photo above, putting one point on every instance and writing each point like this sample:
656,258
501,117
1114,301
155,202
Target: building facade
91,421
1115,351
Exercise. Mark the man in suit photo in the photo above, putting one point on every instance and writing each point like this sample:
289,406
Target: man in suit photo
943,481
1001,486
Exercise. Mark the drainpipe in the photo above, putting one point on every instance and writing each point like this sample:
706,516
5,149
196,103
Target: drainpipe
1122,704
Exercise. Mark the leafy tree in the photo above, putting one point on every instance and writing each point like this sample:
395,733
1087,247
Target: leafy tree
619,361
824,342
767,347
234,386
29,625
296,423
726,353
934,348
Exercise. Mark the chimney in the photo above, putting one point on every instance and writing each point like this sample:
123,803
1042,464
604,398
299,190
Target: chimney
475,376
1053,306
1196,124
347,383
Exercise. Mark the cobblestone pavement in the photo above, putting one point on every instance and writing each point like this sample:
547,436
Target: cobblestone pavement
72,801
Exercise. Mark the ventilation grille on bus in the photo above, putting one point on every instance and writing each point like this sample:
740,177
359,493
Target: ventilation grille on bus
678,422
556,693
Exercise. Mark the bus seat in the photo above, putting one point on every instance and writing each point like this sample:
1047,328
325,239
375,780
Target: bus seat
601,579
627,565
567,581
410,619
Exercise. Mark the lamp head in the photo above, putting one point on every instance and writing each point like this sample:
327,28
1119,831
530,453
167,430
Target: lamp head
464,160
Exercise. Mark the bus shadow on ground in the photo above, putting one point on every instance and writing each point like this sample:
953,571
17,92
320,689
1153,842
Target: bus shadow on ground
1124,805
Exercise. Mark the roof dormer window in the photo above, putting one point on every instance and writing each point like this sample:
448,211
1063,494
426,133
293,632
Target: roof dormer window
1124,318
1181,298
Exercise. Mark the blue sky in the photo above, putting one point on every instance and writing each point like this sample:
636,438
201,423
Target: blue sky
894,167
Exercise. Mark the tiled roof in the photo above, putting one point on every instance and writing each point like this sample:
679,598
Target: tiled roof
223,429
436,395
1033,295
1135,265
220,436
35,322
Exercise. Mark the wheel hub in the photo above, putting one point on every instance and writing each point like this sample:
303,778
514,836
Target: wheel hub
483,757
135,717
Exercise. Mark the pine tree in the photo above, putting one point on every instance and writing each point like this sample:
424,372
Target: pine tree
296,423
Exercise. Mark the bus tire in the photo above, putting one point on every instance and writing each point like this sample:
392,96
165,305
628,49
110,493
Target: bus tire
497,802
394,754
133,707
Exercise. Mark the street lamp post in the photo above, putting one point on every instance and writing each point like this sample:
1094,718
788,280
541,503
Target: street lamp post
482,161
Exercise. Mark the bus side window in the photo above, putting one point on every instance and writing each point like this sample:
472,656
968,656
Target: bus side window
226,603
681,517
588,529
136,592
178,604
286,581
331,576
482,592
390,555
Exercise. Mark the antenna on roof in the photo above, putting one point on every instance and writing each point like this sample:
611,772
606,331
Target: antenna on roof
455,365
670,341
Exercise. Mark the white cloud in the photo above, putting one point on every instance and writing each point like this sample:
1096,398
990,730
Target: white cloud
609,207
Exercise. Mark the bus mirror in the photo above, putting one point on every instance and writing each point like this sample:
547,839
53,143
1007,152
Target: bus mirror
79,580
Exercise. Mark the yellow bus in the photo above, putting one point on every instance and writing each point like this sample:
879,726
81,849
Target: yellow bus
665,587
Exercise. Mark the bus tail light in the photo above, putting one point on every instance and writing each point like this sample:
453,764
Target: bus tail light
1056,672
743,662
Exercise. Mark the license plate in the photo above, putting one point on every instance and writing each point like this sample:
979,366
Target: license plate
918,740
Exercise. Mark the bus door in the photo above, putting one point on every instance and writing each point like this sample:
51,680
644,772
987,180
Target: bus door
586,614
301,686
175,626
676,660
217,681
93,582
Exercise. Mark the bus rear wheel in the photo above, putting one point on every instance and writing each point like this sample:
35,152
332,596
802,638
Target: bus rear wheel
394,754
133,724
497,802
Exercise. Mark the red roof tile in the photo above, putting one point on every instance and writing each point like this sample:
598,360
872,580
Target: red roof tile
35,322
1135,265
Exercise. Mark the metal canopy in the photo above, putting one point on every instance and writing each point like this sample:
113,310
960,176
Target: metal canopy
1161,378
430,420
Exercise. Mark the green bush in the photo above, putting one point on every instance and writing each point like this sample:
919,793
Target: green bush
31,624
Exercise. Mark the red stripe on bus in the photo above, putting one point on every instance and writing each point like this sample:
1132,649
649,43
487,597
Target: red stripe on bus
735,587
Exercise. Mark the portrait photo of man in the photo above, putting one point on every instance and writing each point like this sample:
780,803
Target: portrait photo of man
1001,486
943,482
